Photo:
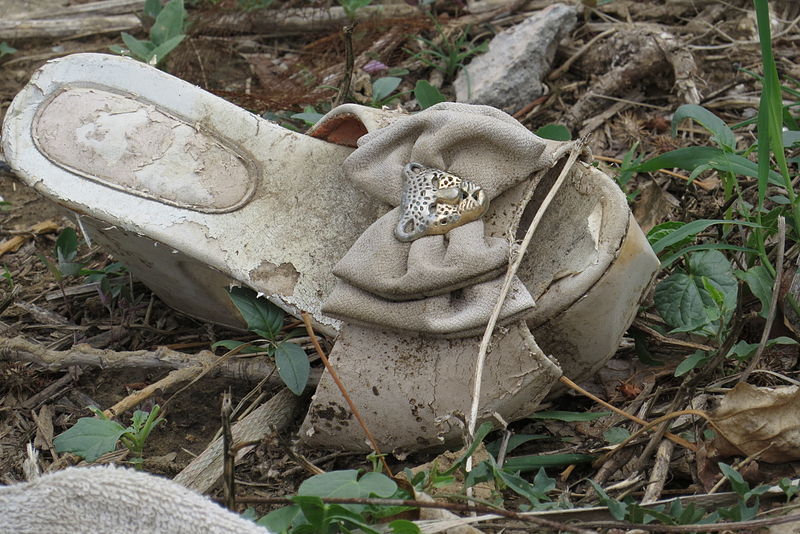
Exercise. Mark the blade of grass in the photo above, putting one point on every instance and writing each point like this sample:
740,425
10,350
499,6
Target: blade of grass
770,122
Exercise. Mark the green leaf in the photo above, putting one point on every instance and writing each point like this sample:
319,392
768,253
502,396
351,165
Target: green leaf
352,6
281,519
722,134
90,438
760,282
293,366
347,519
479,473
683,299
789,487
616,435
660,231
374,484
427,95
686,158
543,483
140,49
536,461
692,361
556,132
152,8
514,441
641,348
6,49
616,508
383,87
770,114
692,157
569,416
738,483
518,485
259,313
742,350
713,265
691,229
169,23
680,303
716,295
480,434
404,526
790,138
70,269
161,51
313,509
249,514
670,259
342,483
309,115
66,245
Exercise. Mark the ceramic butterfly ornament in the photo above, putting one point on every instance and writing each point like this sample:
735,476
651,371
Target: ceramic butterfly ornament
435,201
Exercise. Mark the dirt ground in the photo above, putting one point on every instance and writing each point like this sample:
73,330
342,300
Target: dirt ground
655,56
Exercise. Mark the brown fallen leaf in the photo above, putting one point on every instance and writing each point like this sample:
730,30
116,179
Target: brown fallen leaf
653,206
751,419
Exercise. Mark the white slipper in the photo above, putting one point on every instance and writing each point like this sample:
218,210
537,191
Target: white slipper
193,193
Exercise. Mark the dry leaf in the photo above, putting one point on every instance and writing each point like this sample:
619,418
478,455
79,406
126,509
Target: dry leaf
653,206
750,419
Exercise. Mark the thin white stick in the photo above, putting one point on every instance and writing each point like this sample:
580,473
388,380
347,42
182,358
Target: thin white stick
512,271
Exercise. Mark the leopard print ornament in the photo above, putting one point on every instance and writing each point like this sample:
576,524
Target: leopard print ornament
434,202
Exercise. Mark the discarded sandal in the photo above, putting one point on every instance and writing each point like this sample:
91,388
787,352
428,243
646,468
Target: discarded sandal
401,244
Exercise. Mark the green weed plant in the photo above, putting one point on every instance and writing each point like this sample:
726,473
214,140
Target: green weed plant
92,437
266,321
447,53
166,33
110,280
701,293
